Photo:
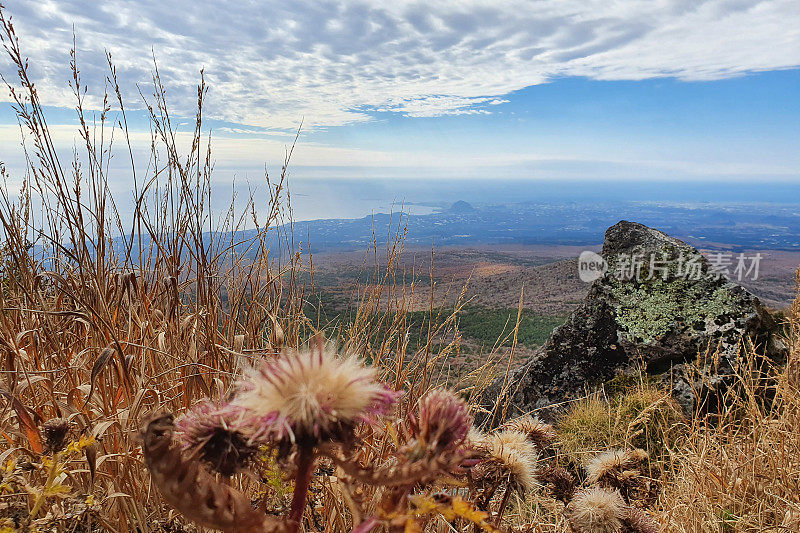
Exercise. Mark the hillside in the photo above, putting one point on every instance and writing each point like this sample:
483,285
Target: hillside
495,275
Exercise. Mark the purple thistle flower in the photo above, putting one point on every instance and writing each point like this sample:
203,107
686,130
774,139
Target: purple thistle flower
311,395
219,434
442,420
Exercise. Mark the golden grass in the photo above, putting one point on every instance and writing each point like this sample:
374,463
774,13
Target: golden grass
642,417
742,473
106,318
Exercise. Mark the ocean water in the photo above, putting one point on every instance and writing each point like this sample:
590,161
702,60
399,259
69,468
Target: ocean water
313,199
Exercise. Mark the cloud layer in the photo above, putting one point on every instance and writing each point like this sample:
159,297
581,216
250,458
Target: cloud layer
271,64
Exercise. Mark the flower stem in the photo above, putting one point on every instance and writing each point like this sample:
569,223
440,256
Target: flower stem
41,496
305,467
503,504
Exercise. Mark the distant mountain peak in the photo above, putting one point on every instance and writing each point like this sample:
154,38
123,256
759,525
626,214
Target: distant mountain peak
461,207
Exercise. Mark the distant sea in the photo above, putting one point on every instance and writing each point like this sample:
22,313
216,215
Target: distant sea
313,199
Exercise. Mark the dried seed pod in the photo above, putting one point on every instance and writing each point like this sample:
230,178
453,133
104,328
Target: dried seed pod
559,481
596,510
615,466
509,458
637,521
193,491
212,432
540,433
622,470
55,433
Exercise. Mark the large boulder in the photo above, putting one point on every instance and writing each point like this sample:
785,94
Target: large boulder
660,304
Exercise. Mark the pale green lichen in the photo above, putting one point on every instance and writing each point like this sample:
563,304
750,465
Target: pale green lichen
648,310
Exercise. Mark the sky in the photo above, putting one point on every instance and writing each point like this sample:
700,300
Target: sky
671,90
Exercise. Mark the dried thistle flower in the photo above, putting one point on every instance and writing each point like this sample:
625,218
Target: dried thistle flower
596,510
618,469
637,521
192,491
218,436
510,458
614,464
436,446
442,421
312,395
540,433
559,481
55,433
476,438
475,446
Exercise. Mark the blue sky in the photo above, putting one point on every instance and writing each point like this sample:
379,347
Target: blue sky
572,90
738,127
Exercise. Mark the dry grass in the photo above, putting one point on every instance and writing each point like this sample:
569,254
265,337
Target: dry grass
643,416
106,318
742,473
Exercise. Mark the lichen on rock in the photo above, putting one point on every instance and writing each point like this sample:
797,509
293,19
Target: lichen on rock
660,303
650,310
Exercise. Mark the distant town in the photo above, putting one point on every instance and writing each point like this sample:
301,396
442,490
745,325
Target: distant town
731,226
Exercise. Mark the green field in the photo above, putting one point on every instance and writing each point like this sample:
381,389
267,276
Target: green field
484,327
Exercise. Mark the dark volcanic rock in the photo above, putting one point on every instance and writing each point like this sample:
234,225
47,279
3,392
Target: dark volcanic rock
660,303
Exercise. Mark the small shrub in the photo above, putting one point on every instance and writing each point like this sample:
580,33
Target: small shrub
644,417
585,429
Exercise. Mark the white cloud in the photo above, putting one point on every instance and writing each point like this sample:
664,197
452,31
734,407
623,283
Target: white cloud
437,105
271,64
245,156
